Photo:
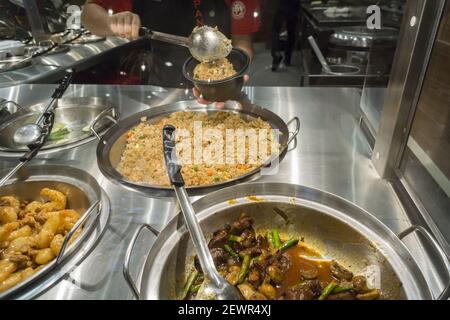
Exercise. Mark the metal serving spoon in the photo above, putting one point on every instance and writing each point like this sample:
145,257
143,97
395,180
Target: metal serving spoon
217,287
46,129
29,133
204,43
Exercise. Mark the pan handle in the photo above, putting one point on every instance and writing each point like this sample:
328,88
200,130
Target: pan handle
102,115
427,235
294,134
77,225
126,264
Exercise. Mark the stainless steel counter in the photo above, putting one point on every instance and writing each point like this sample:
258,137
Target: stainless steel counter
52,67
332,155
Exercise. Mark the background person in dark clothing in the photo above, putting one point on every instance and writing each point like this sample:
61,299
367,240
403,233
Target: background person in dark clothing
286,15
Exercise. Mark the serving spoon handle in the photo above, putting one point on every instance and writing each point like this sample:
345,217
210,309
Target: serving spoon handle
164,37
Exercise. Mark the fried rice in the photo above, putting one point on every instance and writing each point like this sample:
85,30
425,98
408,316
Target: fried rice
214,70
142,160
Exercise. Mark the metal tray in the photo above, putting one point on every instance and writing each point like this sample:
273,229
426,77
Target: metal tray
84,195
79,115
112,144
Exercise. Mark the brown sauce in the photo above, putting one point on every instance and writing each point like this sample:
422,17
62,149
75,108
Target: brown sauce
298,263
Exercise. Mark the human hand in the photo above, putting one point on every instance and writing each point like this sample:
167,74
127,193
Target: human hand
125,24
219,104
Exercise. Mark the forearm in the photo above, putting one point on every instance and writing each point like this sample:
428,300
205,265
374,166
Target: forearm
95,19
243,42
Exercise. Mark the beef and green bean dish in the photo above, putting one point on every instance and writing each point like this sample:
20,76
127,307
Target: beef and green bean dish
268,266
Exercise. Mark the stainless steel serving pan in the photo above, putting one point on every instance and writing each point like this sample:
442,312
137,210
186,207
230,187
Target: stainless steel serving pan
112,144
83,195
334,226
85,118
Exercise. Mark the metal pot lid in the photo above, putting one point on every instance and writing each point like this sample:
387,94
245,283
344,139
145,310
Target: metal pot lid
75,116
112,144
362,37
332,225
82,191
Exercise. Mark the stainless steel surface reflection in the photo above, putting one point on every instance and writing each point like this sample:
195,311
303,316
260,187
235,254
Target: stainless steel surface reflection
51,67
332,155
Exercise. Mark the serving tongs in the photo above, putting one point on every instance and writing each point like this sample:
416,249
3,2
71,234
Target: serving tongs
44,126
216,287
204,43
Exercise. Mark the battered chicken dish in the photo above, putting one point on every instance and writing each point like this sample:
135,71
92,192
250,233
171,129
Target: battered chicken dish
31,234
265,266
214,70
142,160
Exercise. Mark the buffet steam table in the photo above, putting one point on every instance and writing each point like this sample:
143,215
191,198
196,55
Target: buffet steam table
331,154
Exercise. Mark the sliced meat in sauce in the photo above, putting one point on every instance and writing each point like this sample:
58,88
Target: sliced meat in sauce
309,290
244,222
339,272
219,239
297,273
248,238
342,296
220,258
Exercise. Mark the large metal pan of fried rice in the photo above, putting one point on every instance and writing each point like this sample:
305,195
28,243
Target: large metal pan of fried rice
216,147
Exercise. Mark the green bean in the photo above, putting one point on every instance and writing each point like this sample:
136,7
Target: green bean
342,288
270,238
328,290
194,289
234,238
288,244
244,269
276,238
230,251
253,260
187,287
58,135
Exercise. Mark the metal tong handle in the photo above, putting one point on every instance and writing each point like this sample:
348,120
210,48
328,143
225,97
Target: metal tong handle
197,236
292,136
77,225
129,252
445,294
319,54
57,94
103,115
164,37
296,131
